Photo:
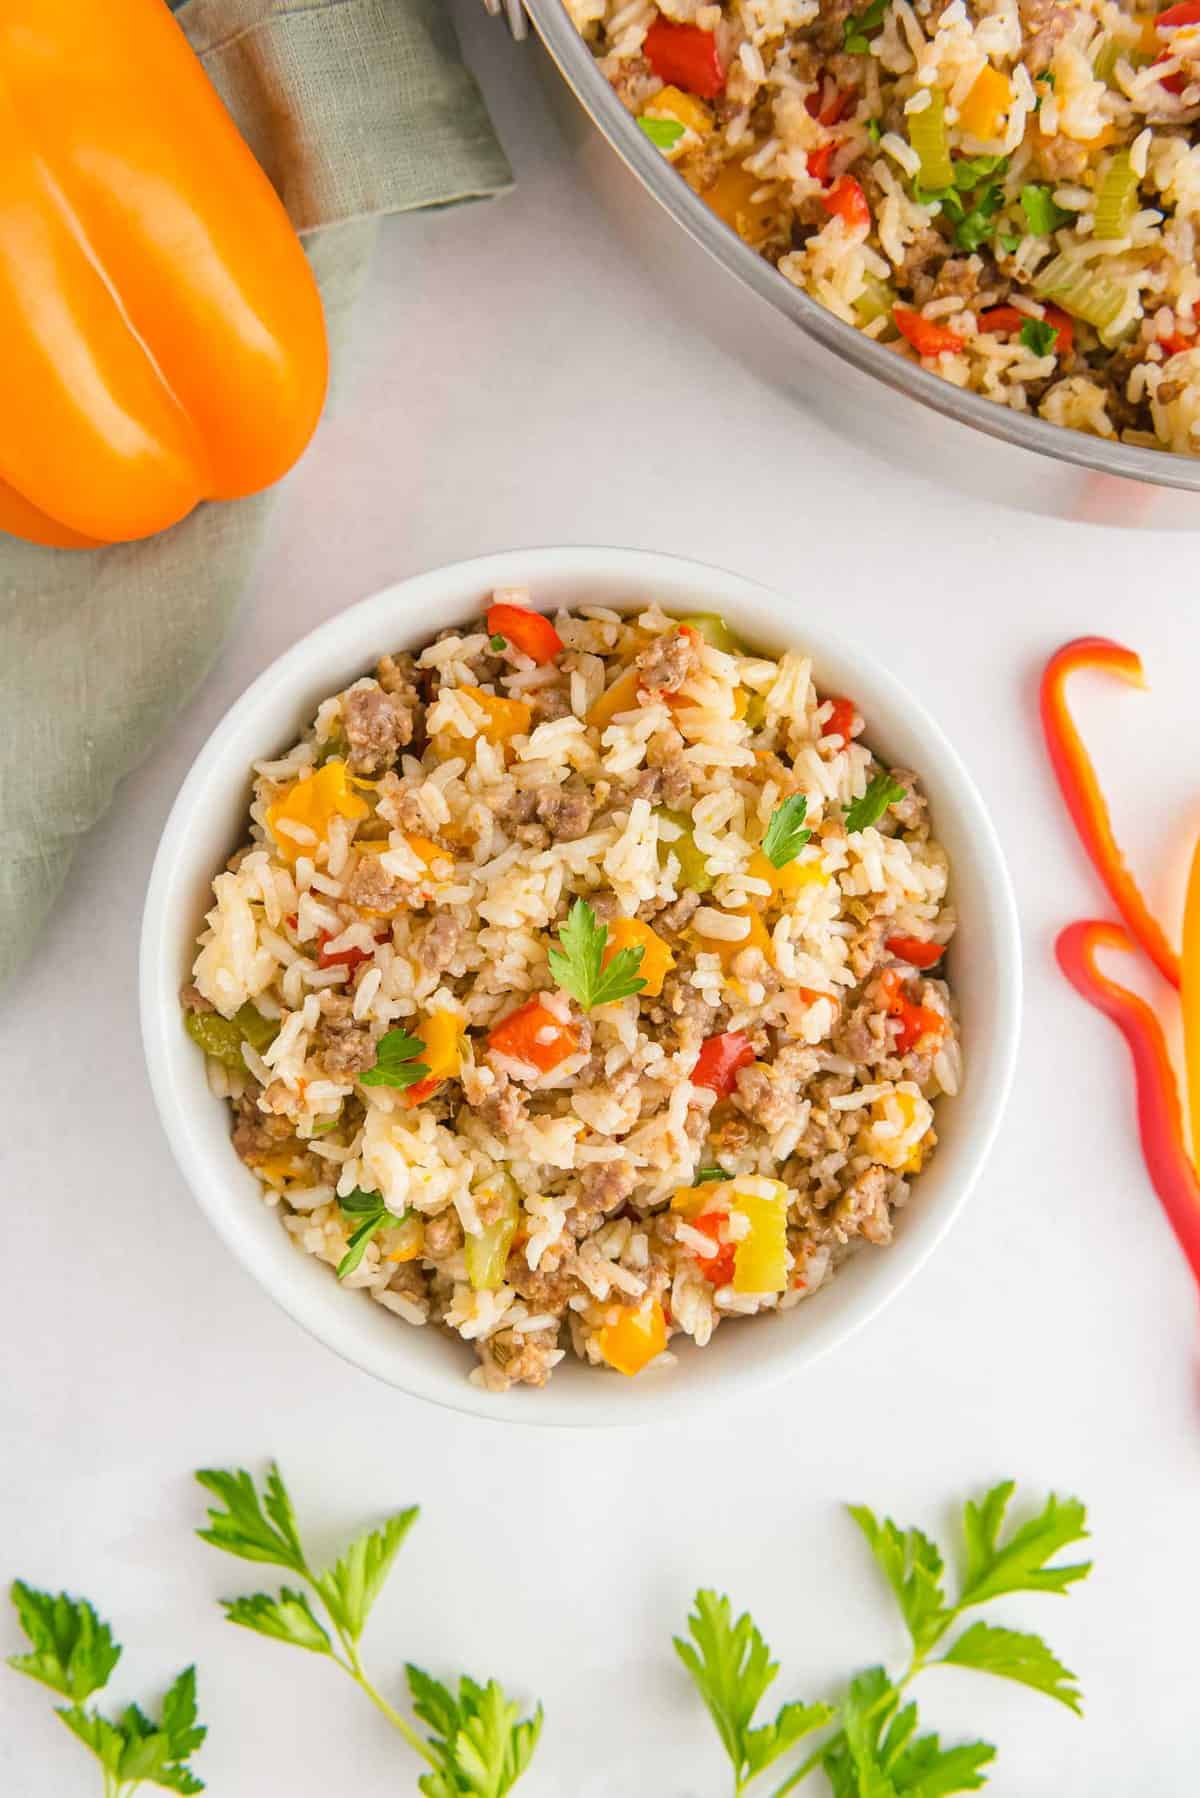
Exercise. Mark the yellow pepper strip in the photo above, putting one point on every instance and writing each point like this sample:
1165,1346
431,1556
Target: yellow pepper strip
898,1112
505,718
163,335
408,1240
657,960
442,1034
275,1169
760,1261
692,1201
313,802
986,107
1148,41
673,103
635,1339
787,881
1190,994
758,937
426,850
622,696
731,197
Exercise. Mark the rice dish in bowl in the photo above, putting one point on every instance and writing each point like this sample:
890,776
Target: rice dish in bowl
577,986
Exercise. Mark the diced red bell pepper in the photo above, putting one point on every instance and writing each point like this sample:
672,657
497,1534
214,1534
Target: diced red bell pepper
534,1034
840,721
915,951
1008,320
530,632
684,56
847,201
927,336
1177,343
719,1059
341,958
918,1026
819,161
829,104
716,1268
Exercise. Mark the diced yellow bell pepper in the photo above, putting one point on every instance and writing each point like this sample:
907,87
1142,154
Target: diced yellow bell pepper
486,1252
442,1034
789,880
622,696
407,1240
898,1112
758,937
693,1201
312,803
1149,42
760,1260
426,850
504,718
275,1169
986,107
731,197
657,960
639,1334
673,103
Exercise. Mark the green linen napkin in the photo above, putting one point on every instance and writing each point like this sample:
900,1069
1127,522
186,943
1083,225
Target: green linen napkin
355,108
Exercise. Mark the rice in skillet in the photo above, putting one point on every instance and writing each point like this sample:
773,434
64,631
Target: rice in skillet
1007,191
419,986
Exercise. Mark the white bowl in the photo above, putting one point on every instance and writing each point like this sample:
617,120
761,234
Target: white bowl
206,824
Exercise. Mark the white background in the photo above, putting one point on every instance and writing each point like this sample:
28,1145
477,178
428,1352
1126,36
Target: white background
515,379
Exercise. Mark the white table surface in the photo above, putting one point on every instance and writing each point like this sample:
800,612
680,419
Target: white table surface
515,379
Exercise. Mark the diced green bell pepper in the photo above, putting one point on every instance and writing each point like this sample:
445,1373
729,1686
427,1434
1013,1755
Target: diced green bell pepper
222,1038
693,867
716,633
486,1254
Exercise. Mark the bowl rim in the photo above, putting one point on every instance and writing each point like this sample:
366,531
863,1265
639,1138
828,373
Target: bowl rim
374,618
567,49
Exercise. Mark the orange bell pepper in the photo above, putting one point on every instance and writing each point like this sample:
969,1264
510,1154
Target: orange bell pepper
1081,789
163,336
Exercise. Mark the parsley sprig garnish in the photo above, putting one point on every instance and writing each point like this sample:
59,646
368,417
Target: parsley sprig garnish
478,1744
73,1653
395,1062
786,836
579,966
881,792
875,1751
1038,335
367,1211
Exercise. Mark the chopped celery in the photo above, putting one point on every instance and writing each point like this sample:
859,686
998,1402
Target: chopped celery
927,135
217,1036
716,633
1116,198
693,866
486,1254
875,301
1097,299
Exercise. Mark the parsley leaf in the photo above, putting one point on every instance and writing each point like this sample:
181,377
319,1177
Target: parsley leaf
288,1617
663,133
1019,1565
394,1063
73,1649
355,1581
577,965
913,1568
785,836
1008,242
861,27
480,1742
371,1215
1039,207
1012,1654
74,1654
254,1529
869,809
706,1175
732,1667
1038,335
876,1755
